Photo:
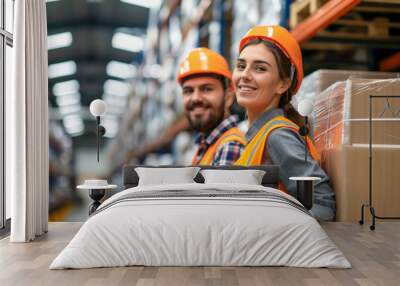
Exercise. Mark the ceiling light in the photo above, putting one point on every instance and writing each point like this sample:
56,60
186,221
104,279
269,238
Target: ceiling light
121,70
127,42
115,109
116,87
155,71
110,133
76,133
76,130
66,87
111,99
78,127
144,3
62,69
111,125
73,122
68,99
60,40
68,109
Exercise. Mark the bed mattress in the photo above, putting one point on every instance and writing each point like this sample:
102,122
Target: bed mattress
201,225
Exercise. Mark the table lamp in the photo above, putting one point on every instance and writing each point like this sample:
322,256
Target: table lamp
97,187
305,185
98,108
305,109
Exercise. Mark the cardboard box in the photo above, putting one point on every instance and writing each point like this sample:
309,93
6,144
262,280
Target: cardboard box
348,170
316,82
341,113
342,139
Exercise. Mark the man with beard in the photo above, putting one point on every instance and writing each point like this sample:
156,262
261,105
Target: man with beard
208,94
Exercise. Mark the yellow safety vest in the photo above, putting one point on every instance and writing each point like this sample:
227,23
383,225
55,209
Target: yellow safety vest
233,134
254,151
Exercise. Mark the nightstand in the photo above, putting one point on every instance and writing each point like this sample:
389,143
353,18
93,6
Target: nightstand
96,192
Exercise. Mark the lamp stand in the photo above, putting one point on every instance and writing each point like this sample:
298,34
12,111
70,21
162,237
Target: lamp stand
100,132
303,130
97,137
305,138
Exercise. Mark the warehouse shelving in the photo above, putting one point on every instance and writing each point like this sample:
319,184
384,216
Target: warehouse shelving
320,17
340,30
340,33
173,30
61,177
390,62
156,109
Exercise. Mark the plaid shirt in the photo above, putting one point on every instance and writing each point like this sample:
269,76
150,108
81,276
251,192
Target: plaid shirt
226,154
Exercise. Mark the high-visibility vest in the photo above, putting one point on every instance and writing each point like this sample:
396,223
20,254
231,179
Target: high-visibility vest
233,134
254,151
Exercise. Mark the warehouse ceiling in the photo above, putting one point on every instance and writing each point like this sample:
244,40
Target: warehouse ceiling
92,25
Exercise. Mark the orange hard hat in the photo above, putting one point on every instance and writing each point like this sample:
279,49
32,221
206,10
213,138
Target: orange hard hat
284,40
203,61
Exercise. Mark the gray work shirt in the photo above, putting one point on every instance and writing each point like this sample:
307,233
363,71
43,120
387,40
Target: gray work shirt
285,148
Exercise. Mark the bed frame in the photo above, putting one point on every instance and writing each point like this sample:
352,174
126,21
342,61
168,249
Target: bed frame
270,179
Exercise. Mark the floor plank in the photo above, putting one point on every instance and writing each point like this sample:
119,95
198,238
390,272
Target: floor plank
375,257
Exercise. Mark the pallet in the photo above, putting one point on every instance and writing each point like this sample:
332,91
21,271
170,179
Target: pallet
380,2
302,9
379,27
371,19
375,28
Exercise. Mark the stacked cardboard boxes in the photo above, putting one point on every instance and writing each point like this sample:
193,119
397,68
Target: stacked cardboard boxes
320,80
341,134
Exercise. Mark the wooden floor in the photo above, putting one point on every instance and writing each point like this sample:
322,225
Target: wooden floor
375,257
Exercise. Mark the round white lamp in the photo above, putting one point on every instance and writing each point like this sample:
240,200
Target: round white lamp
305,107
97,108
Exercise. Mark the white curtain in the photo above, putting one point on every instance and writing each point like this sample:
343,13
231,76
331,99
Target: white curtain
27,124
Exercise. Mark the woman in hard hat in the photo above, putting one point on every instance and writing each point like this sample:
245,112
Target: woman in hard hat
267,73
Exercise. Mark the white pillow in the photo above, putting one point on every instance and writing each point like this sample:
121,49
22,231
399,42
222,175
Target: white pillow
249,177
164,176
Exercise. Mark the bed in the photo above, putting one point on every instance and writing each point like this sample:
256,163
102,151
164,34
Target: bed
201,224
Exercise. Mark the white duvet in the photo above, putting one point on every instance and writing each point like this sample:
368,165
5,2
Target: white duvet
183,231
